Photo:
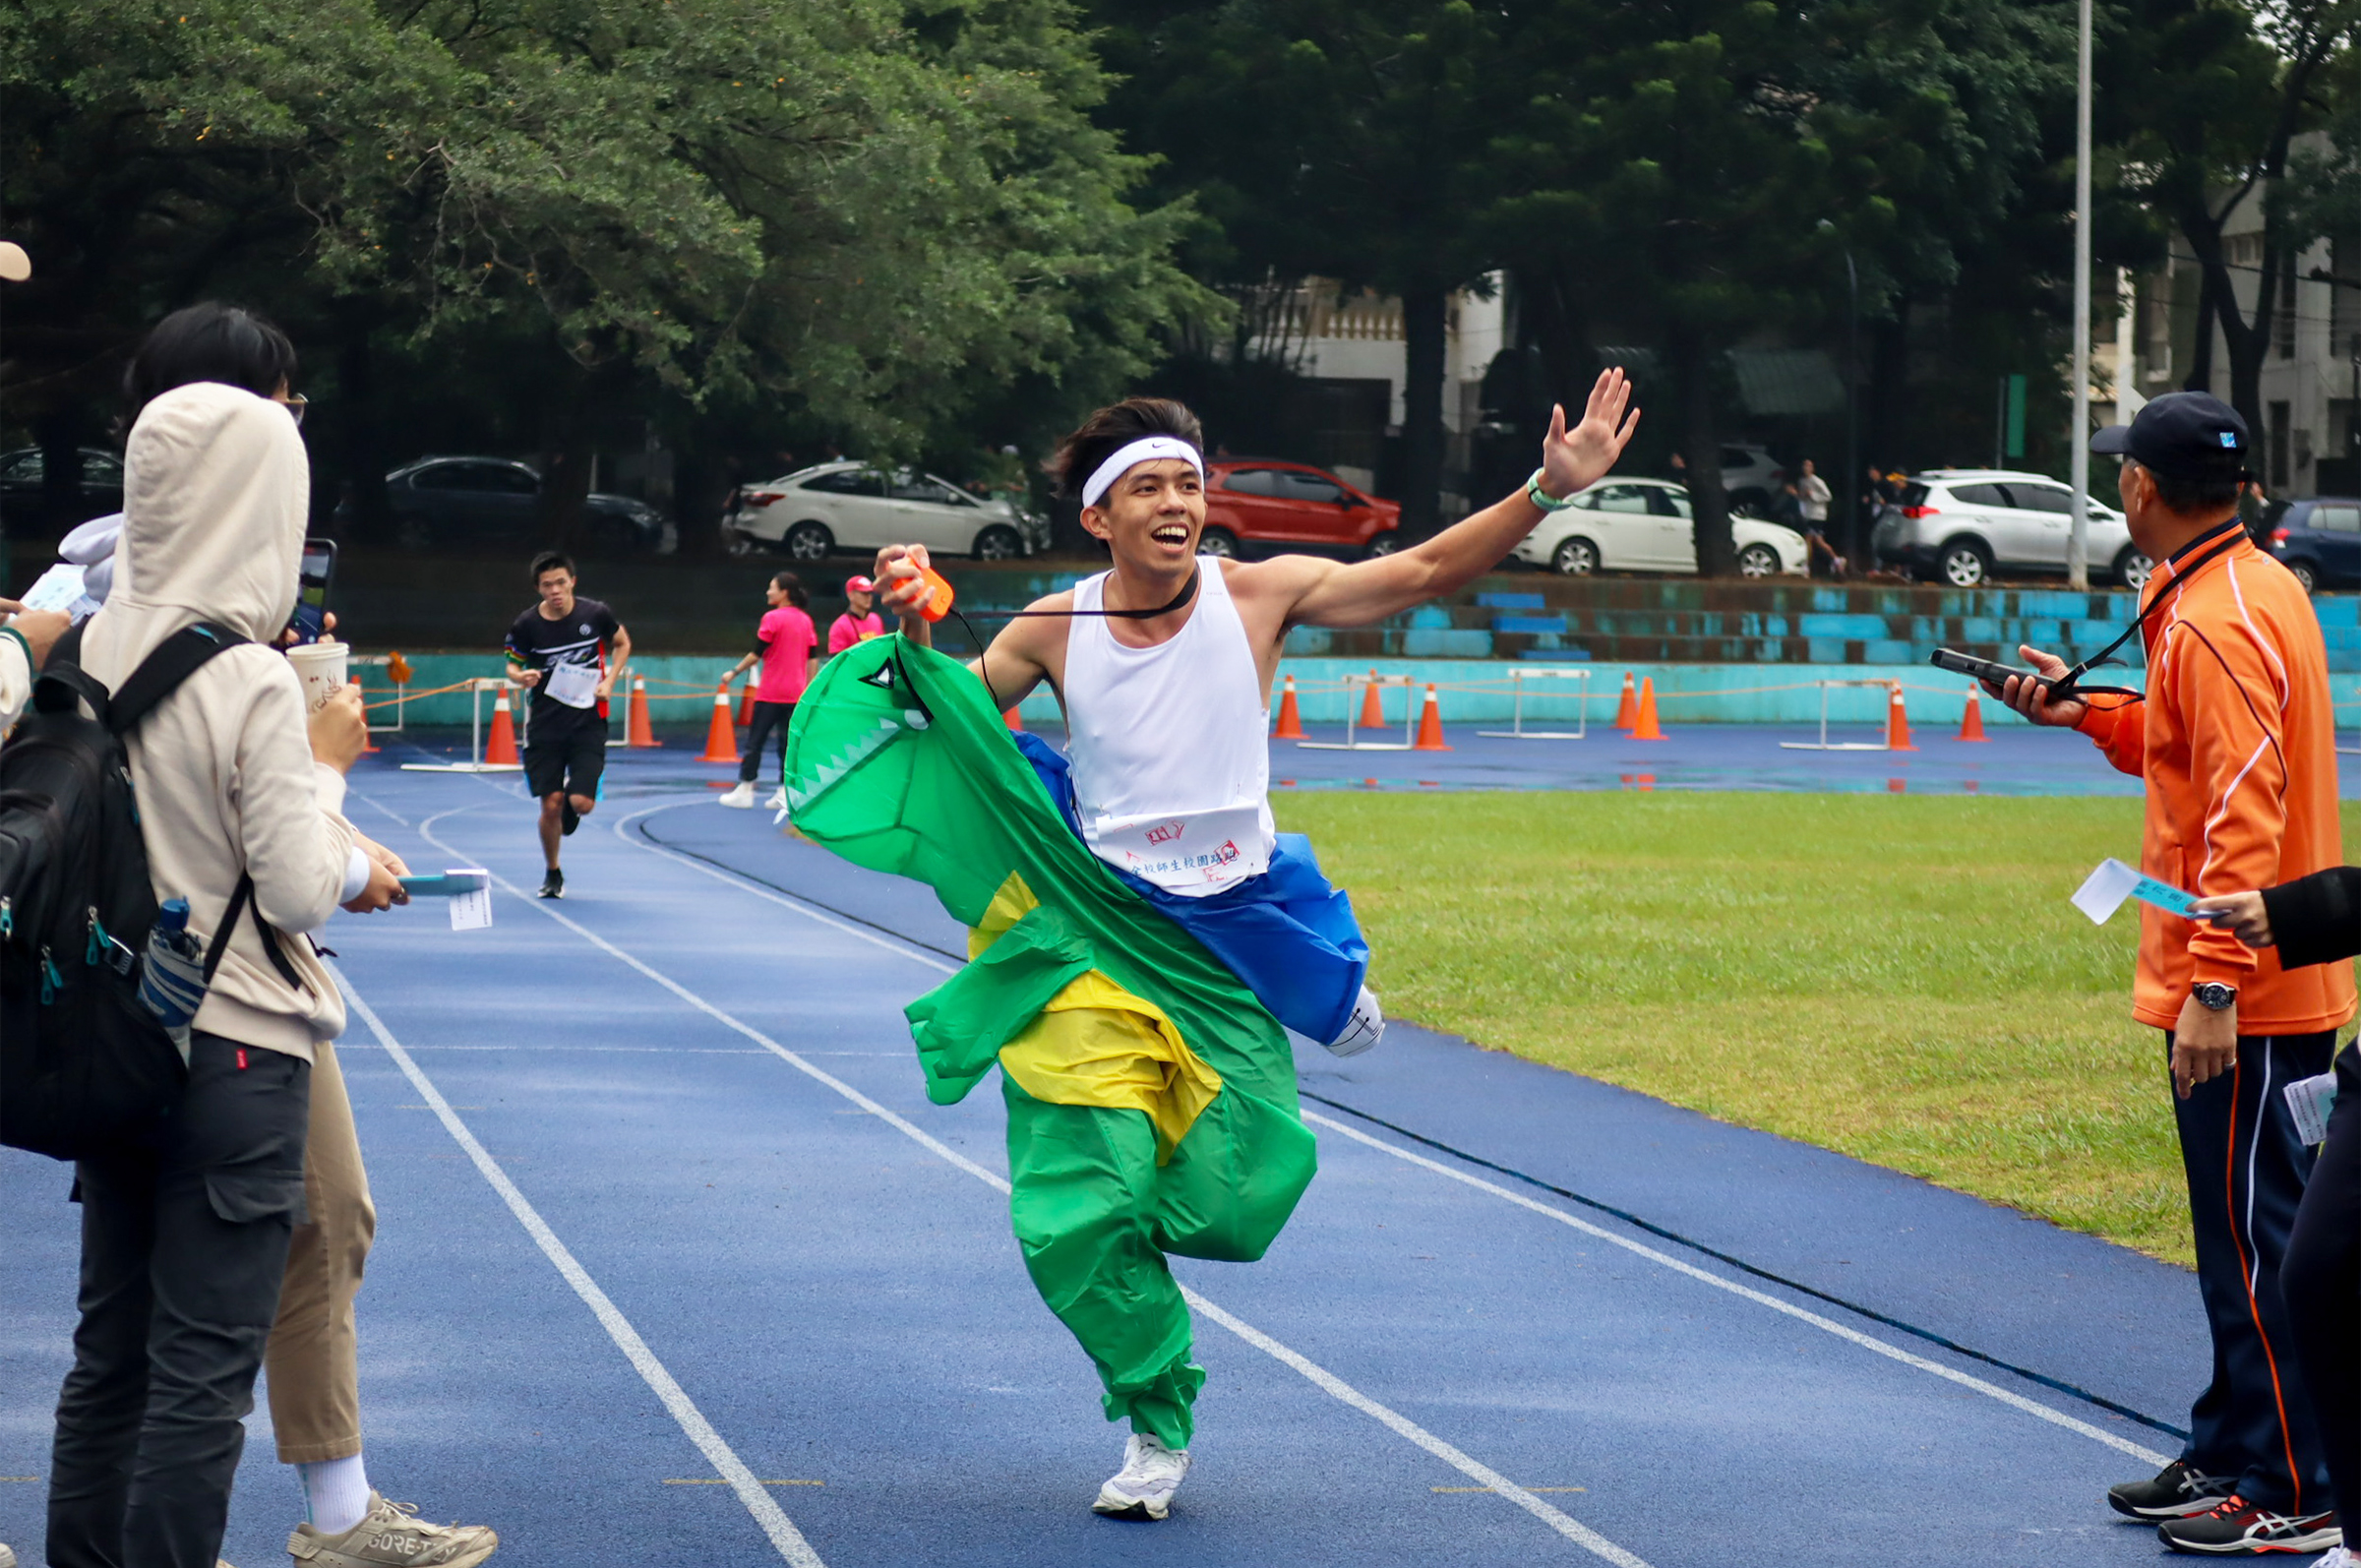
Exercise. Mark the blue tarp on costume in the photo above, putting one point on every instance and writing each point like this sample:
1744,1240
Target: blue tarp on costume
1288,935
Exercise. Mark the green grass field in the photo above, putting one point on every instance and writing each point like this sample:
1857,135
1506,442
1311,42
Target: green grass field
1897,978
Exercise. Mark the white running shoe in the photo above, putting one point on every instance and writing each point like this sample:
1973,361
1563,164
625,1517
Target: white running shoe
778,799
2338,1557
1143,1488
1363,1029
743,798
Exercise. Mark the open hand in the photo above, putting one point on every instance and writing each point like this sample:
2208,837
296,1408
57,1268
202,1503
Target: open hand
1578,459
2031,698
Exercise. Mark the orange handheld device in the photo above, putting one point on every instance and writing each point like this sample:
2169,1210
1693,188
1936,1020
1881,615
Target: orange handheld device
938,600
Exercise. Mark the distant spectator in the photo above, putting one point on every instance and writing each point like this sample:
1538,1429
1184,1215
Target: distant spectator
859,623
1787,506
783,643
1811,495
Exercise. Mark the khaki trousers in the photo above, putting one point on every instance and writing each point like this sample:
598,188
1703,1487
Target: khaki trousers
313,1358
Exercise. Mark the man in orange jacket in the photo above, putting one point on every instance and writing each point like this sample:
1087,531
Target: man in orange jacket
2237,745
2235,741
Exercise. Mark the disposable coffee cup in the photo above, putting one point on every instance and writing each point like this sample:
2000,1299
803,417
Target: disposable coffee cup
320,666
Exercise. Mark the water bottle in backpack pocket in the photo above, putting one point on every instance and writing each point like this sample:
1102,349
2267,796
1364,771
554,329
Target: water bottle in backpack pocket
173,981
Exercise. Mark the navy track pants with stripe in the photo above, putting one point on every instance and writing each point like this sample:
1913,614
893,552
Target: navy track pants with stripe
2246,1168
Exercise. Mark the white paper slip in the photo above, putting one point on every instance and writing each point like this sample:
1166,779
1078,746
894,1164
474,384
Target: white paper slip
2108,886
55,589
471,910
2308,1102
574,685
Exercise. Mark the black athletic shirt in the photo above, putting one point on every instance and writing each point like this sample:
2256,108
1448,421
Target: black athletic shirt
580,638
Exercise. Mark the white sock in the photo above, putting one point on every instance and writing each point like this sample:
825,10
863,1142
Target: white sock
335,1494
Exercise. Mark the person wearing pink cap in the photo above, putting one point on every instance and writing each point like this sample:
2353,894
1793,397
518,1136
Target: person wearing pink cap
859,623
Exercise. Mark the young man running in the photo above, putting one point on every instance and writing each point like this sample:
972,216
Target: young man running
569,650
1145,1115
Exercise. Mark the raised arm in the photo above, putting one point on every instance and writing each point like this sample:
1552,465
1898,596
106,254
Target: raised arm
1329,593
1012,665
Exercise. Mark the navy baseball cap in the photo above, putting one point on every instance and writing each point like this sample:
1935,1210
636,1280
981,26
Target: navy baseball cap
2183,435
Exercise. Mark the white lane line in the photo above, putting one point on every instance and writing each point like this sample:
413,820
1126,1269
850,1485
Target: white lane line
1328,1382
775,1524
1853,1336
901,945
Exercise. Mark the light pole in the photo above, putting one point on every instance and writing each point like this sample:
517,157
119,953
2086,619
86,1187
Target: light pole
2077,536
1854,547
1853,391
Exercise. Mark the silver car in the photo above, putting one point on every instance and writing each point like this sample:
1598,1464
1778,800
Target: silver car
1956,526
856,507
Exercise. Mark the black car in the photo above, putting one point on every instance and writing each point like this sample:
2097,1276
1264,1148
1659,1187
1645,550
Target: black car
22,476
491,501
2318,538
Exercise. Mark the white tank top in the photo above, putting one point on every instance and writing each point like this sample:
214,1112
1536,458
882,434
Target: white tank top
1172,770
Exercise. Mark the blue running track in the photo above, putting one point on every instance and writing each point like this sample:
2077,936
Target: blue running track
675,1266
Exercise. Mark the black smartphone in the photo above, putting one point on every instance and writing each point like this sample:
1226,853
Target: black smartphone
1984,670
311,595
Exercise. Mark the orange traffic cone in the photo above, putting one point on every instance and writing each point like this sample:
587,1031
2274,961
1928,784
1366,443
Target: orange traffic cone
1291,718
1971,727
1627,708
1015,721
1431,726
1372,713
500,748
1643,724
746,703
721,737
637,728
1898,724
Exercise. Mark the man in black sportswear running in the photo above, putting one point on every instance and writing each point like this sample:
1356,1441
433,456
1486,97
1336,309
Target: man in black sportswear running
569,650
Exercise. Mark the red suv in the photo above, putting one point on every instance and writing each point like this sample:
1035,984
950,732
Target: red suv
1262,500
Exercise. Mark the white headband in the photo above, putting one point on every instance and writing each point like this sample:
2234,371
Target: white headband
1145,450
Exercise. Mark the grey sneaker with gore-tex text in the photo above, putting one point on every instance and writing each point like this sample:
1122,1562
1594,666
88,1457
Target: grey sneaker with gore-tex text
393,1536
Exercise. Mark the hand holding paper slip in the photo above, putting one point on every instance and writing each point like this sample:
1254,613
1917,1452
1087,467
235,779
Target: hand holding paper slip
2108,886
469,889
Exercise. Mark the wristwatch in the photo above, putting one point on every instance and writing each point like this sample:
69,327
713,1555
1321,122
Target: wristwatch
2213,996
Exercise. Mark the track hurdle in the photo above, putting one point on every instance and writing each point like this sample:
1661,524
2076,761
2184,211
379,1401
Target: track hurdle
1824,744
475,736
1372,684
1517,731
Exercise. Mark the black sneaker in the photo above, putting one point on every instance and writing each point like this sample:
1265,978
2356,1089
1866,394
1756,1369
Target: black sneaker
2237,1528
554,885
2179,1490
568,817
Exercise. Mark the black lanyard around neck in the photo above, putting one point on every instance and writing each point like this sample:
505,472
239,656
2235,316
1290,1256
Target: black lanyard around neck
2214,542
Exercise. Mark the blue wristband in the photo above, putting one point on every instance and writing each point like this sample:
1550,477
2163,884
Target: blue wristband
1541,498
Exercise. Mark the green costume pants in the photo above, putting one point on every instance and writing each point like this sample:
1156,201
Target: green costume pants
1095,1215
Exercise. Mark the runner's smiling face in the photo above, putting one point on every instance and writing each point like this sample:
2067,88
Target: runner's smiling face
1152,516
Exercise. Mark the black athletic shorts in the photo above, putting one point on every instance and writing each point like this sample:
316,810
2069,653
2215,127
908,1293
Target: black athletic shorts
570,761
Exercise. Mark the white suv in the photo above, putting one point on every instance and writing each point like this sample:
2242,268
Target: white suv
1956,526
816,512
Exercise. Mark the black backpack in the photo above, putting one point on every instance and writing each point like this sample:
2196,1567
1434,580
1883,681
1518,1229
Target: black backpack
84,1066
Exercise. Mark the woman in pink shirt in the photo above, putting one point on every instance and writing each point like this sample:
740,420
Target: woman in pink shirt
783,644
859,623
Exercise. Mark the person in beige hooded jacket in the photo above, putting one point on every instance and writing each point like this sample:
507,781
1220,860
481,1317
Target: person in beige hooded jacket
184,1245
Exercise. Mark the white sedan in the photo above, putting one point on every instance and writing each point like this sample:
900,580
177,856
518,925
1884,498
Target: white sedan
816,512
1644,525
